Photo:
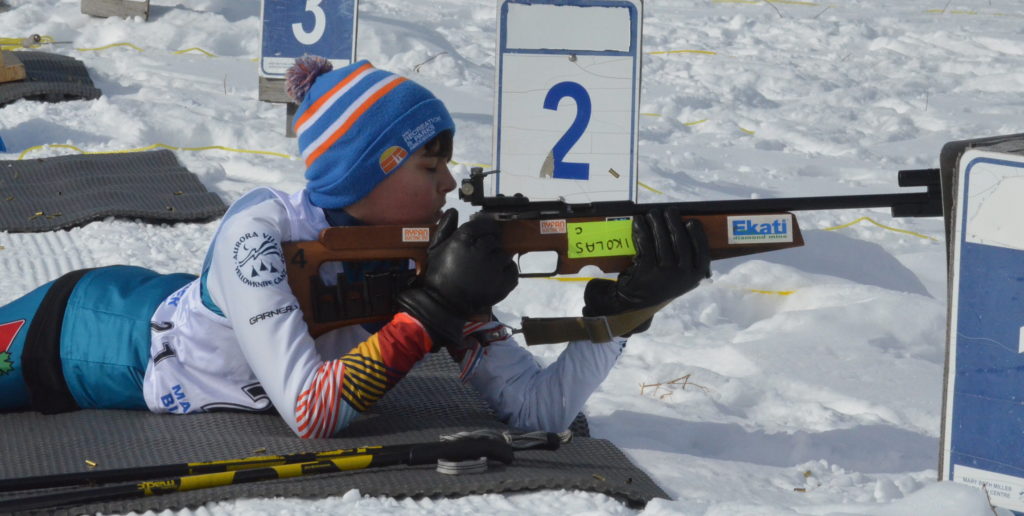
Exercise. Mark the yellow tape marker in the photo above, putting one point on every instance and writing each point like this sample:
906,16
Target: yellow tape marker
655,190
112,45
33,41
197,49
595,239
944,11
772,292
883,226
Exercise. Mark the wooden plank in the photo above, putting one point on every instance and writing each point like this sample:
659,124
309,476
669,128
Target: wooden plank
11,68
272,90
116,8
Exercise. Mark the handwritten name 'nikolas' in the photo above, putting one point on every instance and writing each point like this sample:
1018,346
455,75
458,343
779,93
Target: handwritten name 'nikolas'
605,238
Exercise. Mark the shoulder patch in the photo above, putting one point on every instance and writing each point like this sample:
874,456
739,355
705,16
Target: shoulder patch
259,261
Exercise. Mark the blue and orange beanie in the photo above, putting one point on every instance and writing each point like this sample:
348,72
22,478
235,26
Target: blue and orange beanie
356,125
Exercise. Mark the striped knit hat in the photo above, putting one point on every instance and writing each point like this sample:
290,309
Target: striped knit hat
356,125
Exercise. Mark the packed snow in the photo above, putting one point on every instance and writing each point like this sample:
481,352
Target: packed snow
806,381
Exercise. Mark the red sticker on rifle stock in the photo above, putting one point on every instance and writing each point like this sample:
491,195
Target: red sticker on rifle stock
552,227
415,234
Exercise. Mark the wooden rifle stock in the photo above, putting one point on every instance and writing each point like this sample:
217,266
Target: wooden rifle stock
519,237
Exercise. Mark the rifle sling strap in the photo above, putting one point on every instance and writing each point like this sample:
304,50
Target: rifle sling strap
553,330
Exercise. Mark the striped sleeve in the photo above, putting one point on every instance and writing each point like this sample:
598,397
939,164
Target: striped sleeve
341,389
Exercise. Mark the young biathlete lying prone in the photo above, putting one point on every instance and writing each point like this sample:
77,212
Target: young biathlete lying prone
376,147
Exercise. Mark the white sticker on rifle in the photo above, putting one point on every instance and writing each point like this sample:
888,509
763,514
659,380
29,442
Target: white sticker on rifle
760,229
552,227
415,234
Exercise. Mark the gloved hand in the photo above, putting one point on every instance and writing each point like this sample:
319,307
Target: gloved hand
467,272
671,259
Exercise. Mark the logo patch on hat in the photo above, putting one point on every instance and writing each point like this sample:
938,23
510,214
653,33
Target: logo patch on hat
391,158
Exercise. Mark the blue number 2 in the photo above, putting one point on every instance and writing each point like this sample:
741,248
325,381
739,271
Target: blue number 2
573,90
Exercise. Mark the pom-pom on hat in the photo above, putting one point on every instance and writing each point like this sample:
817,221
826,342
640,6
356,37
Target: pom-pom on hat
356,125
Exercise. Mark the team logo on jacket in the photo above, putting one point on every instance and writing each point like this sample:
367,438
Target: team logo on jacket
259,261
8,331
391,158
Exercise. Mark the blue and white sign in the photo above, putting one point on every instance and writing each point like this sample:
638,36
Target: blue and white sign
566,111
293,28
983,435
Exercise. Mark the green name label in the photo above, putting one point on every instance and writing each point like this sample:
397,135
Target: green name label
594,239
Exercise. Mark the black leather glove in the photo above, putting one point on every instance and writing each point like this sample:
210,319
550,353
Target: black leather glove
467,272
671,259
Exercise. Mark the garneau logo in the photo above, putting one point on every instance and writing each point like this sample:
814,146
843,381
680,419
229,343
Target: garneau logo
760,229
267,315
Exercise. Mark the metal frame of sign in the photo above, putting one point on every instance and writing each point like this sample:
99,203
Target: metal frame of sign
982,440
314,11
635,9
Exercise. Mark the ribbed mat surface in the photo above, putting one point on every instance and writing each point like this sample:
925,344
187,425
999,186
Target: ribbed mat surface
49,77
67,191
428,403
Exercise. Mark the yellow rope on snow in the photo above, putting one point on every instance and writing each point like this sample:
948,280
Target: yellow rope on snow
155,146
649,188
197,49
109,46
772,292
883,226
33,41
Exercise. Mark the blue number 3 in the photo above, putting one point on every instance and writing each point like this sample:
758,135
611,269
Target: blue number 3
575,91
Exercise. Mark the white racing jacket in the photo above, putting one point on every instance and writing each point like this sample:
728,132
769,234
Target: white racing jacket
235,339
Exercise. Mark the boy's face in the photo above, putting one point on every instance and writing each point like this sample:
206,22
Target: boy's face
412,194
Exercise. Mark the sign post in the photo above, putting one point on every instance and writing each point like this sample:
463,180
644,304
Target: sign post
116,8
566,110
983,421
291,29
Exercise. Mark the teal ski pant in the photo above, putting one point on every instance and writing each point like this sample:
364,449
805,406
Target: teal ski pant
83,340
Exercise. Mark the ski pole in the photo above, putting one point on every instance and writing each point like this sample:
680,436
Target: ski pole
522,441
180,469
411,455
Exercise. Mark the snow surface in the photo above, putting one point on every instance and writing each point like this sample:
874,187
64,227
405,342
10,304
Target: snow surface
806,381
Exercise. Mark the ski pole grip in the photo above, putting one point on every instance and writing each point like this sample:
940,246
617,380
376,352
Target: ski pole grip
466,449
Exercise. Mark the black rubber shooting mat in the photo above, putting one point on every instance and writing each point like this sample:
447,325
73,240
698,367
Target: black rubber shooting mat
50,78
428,403
55,193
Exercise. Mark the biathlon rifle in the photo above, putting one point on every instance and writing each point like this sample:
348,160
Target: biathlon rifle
580,234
